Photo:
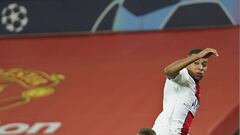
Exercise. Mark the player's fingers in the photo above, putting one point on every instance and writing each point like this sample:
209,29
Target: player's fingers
215,53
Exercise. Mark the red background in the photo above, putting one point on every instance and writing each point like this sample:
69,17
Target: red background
114,82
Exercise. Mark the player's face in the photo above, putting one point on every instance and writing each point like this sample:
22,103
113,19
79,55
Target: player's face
198,68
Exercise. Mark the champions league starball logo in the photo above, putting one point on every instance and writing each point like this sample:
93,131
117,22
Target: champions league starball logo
14,17
33,84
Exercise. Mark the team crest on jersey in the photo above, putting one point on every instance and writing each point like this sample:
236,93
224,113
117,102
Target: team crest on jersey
34,84
192,107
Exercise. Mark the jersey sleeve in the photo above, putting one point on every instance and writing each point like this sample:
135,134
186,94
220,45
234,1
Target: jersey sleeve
183,78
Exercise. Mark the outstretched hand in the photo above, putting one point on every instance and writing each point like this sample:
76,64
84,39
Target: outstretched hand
207,53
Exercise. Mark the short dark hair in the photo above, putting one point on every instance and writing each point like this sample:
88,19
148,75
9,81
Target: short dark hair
194,51
146,131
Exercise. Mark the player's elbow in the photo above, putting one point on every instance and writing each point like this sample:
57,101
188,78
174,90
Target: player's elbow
169,73
166,71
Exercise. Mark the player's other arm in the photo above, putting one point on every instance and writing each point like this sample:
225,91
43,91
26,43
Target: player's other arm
172,70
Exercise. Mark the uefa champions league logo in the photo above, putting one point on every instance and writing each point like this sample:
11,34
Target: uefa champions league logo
14,17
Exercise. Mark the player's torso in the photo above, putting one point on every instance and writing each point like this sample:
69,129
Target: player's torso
180,104
179,95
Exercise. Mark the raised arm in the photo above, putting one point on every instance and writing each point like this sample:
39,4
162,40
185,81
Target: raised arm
172,70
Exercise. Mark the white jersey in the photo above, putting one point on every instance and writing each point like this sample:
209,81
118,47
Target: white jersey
180,103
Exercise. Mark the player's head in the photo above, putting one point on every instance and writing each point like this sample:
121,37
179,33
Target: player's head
146,131
199,67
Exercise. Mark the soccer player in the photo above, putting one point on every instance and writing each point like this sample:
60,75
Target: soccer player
181,92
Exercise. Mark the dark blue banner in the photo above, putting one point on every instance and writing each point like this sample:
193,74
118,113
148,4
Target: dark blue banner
70,16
